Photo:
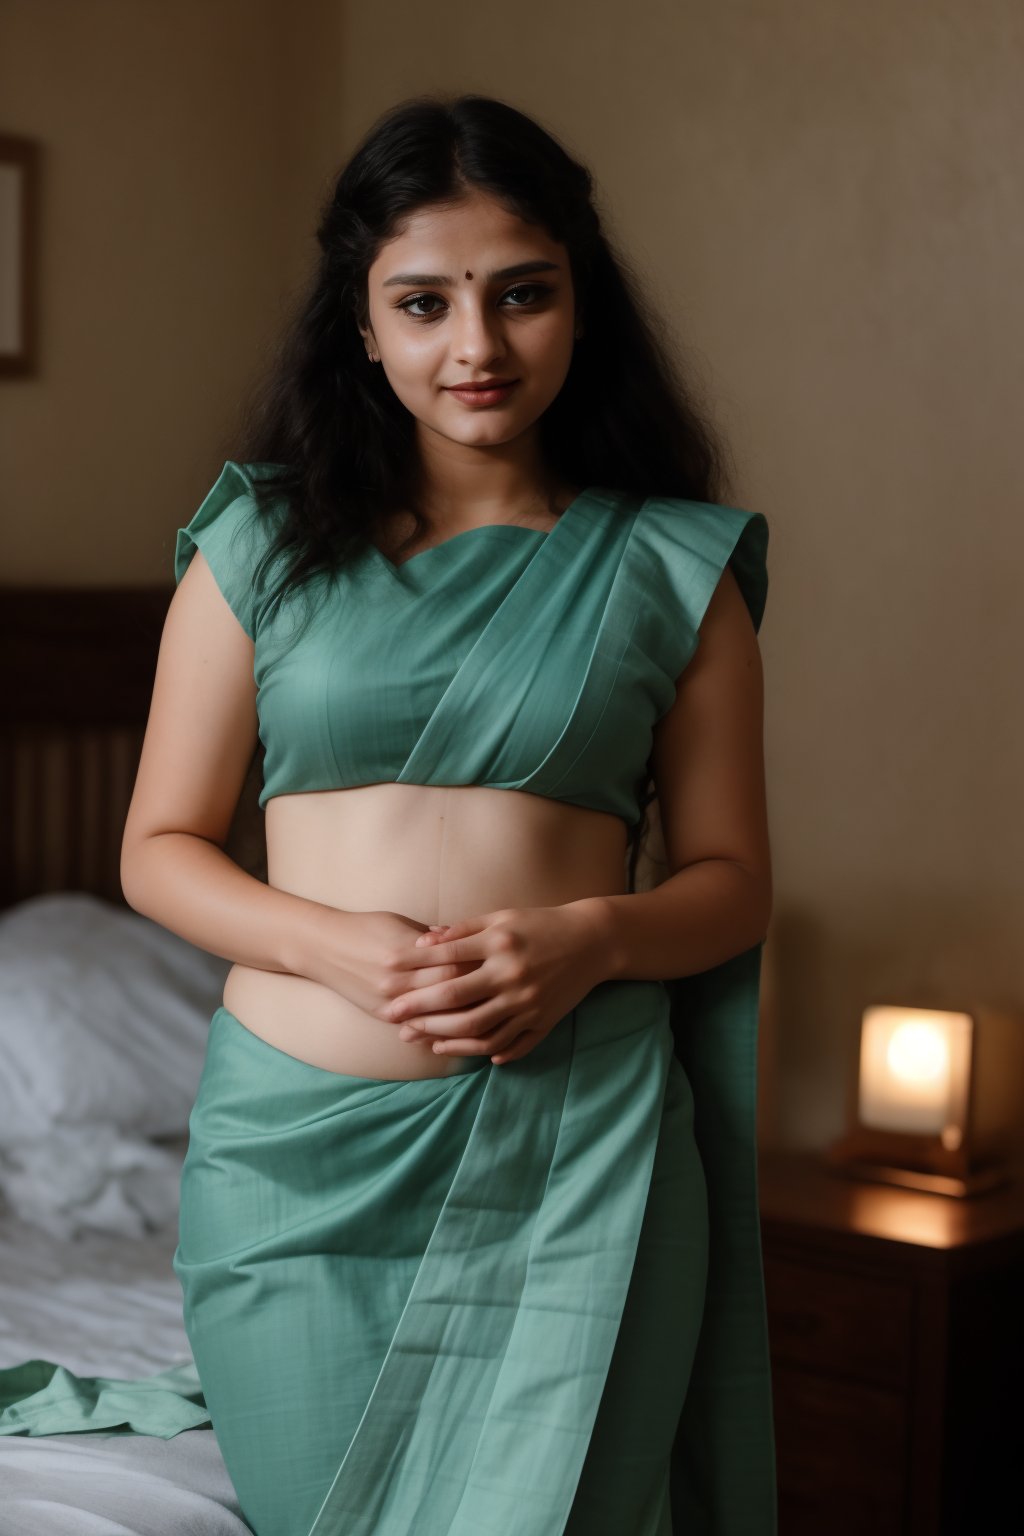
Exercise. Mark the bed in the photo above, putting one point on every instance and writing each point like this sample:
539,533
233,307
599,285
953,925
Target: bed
88,1212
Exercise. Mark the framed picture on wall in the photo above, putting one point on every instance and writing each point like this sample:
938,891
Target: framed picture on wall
19,162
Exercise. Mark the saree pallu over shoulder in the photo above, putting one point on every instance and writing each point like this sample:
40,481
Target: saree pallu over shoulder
724,1473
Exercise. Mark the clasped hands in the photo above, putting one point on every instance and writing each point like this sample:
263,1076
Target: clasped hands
513,974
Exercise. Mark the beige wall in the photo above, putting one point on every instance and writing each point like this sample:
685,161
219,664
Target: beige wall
175,201
825,199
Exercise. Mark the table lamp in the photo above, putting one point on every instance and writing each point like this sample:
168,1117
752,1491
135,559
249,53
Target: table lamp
937,1099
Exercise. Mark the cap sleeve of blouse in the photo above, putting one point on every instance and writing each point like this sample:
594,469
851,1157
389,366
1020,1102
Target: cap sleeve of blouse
688,544
228,529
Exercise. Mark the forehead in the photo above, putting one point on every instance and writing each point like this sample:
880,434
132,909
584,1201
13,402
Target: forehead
477,228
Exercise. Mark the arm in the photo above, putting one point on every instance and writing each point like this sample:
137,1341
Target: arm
199,741
708,767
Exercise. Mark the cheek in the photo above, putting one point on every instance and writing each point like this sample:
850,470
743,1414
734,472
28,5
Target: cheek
552,361
407,346
412,375
550,356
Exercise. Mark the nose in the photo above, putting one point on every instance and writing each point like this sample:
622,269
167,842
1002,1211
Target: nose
477,332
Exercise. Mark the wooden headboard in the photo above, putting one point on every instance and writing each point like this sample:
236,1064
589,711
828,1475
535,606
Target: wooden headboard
77,667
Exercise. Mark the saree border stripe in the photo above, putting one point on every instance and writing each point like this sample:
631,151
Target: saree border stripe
475,1334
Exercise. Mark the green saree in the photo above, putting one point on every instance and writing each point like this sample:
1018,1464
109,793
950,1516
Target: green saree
523,1300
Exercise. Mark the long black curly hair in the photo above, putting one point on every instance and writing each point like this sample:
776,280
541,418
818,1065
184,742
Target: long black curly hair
325,430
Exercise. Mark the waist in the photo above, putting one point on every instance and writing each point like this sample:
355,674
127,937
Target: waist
440,852
434,853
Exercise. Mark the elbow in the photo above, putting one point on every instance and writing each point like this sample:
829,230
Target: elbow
757,900
130,874
761,908
127,885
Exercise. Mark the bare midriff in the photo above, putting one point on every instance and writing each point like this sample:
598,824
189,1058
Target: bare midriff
433,853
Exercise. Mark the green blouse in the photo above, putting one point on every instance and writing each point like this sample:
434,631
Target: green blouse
503,656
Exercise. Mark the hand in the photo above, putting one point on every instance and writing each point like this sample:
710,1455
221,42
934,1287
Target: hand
364,957
531,965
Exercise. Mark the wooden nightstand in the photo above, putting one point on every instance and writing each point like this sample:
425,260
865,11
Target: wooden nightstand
897,1336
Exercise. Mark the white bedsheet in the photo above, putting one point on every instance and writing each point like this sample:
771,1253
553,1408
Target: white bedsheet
103,1305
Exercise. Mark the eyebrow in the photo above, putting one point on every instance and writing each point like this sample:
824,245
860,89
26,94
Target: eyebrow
435,280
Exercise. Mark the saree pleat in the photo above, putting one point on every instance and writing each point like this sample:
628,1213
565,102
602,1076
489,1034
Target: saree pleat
524,1299
477,1412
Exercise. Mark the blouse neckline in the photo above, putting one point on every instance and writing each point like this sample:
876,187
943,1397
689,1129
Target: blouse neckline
489,528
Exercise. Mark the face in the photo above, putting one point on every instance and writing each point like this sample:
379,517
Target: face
445,311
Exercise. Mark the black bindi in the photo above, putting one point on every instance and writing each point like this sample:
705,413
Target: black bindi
469,274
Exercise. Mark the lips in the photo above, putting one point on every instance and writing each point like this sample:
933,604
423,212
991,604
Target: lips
488,384
482,394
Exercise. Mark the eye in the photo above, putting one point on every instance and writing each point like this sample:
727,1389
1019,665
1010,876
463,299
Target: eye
540,289
418,298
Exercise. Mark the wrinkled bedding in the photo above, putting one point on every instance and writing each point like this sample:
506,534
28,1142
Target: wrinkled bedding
103,1304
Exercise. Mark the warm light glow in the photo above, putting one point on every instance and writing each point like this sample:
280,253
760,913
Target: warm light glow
918,1052
914,1067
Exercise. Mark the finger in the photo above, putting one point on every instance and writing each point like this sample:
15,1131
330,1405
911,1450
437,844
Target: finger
453,996
452,933
521,1047
481,1045
449,949
415,998
433,934
460,930
472,1023
431,976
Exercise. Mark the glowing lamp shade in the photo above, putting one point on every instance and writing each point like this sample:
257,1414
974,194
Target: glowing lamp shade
923,1113
915,1072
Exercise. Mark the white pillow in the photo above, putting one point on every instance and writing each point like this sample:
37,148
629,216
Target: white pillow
103,1018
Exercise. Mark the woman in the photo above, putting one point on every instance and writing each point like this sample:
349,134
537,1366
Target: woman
455,1255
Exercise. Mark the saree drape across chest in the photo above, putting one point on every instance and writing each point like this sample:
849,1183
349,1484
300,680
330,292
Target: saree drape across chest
523,1300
